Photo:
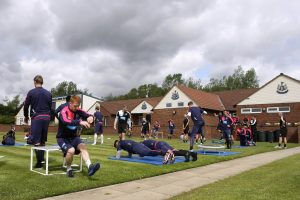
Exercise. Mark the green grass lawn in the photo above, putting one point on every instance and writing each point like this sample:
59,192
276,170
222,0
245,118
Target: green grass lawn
278,180
17,182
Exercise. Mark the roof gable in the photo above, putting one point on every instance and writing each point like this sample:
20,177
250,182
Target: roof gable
183,94
143,107
281,89
114,106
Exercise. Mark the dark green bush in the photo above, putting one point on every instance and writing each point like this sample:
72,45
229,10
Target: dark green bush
7,119
88,131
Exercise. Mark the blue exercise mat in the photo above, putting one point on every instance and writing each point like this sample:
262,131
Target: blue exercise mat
217,153
241,146
153,160
16,145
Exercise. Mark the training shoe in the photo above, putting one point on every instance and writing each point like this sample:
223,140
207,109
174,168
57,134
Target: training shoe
129,155
38,165
187,157
172,158
276,147
285,147
194,156
166,158
70,173
93,168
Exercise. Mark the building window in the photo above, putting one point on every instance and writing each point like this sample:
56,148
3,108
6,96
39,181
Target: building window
256,110
168,105
278,109
251,110
180,104
105,121
21,121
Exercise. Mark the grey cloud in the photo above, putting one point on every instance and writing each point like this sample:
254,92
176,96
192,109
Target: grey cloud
142,31
118,45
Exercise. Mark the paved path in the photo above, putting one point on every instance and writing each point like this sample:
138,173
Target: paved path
178,182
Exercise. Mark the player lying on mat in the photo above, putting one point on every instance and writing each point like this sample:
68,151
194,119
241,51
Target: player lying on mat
164,147
133,147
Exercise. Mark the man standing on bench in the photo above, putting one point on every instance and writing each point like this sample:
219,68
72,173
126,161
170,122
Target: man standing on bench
67,137
40,101
165,147
196,115
133,147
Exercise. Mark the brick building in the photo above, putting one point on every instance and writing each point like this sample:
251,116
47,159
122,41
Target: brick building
281,94
173,106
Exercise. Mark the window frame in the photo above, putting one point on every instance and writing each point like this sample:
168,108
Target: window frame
278,109
250,111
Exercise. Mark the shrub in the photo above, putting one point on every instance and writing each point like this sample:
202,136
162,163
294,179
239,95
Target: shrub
7,119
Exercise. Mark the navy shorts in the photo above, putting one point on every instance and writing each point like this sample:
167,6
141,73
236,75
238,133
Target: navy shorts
66,143
122,128
171,131
145,131
283,132
98,128
39,131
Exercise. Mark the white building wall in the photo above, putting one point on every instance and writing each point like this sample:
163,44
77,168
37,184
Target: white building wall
89,103
269,94
20,117
168,99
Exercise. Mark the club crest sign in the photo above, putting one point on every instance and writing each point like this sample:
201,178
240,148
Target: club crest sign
175,95
282,88
144,106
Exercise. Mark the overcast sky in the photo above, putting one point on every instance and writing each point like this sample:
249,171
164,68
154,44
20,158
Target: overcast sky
111,46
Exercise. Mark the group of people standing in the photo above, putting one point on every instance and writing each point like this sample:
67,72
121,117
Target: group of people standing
70,117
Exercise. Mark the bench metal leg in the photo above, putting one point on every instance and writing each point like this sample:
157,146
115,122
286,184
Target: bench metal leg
47,161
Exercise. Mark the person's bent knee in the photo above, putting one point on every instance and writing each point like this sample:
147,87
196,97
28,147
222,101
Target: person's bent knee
81,147
71,151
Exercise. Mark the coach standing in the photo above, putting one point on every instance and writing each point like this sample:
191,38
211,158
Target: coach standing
40,101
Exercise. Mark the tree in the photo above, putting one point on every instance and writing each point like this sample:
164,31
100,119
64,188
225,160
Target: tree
8,111
143,91
172,80
238,80
215,85
67,88
250,79
191,83
155,91
133,94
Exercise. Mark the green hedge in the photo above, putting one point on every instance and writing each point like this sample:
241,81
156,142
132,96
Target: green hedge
7,119
88,131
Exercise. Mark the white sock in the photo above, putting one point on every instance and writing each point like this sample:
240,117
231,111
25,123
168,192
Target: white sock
88,163
101,138
95,138
69,168
118,154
